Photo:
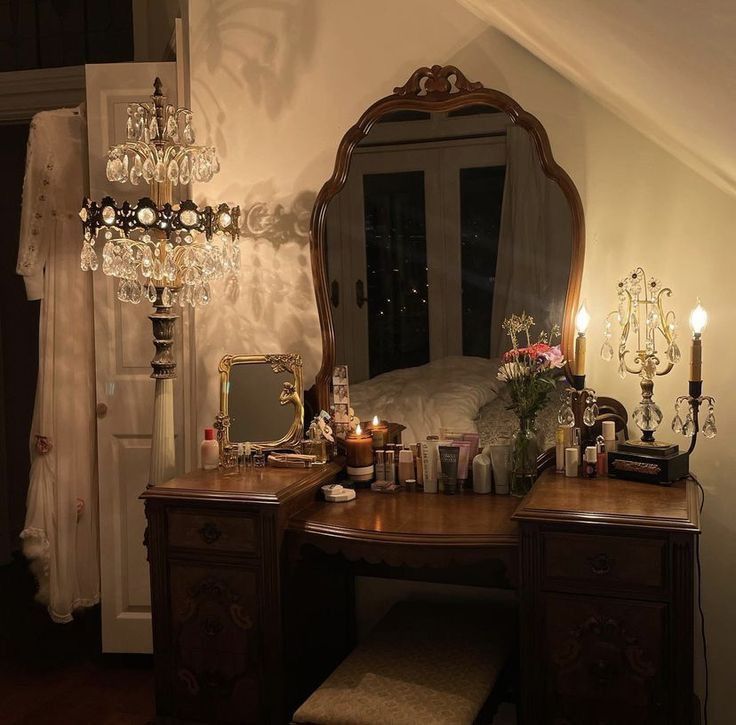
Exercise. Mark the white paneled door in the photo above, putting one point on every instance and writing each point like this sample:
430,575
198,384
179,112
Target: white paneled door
123,348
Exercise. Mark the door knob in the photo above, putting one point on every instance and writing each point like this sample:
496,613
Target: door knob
101,410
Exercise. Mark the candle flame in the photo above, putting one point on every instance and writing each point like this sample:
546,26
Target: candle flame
358,429
582,320
375,420
698,319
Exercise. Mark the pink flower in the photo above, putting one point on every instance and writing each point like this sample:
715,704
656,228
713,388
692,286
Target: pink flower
554,356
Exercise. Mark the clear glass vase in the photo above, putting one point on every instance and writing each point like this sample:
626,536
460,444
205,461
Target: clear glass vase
524,452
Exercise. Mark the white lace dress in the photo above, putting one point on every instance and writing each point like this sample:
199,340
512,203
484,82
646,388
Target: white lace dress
60,534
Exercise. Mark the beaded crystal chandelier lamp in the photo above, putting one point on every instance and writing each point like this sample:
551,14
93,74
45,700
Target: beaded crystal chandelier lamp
159,251
645,324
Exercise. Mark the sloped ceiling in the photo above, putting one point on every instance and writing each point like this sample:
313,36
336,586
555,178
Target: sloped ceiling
667,67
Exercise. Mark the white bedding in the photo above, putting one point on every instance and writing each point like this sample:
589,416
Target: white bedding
449,392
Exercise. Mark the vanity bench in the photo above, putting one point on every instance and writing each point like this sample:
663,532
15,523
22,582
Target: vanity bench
604,571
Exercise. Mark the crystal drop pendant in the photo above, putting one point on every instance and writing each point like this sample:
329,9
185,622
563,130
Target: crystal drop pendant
124,169
589,416
565,416
709,427
110,170
83,263
130,128
188,133
166,297
151,292
136,292
92,259
172,130
136,172
173,172
184,173
677,424
673,353
123,290
153,129
148,169
159,173
607,351
621,369
688,429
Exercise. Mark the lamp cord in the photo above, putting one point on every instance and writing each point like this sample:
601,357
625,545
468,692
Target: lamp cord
700,606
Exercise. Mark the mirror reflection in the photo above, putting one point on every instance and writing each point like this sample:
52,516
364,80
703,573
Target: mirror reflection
262,395
446,225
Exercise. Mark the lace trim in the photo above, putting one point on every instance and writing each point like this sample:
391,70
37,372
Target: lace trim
36,548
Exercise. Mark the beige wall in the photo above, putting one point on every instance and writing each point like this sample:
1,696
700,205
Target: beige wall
275,89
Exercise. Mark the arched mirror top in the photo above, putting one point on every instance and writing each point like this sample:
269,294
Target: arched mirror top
437,90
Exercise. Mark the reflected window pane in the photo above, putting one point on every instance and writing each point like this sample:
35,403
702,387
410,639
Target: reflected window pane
481,195
396,262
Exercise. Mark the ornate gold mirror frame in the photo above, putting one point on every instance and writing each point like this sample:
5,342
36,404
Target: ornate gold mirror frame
439,88
292,393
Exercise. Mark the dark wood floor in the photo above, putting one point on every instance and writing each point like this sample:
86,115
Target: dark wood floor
55,673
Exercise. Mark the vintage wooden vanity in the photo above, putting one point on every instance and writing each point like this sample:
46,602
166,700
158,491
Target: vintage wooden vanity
252,588
253,575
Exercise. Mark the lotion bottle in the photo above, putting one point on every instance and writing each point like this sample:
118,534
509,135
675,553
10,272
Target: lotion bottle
406,466
210,450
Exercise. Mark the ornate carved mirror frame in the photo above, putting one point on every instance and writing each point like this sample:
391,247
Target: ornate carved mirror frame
439,88
292,393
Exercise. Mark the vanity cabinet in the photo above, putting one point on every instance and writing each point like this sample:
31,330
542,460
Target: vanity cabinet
214,543
607,577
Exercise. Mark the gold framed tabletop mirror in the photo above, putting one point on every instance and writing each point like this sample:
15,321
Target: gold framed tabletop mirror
261,400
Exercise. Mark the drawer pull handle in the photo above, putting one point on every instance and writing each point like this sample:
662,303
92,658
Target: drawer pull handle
210,533
600,564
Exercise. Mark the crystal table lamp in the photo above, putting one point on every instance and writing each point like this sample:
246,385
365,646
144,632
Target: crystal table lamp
644,324
163,252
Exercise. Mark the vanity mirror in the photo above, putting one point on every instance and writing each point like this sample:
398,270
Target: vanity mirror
261,400
445,213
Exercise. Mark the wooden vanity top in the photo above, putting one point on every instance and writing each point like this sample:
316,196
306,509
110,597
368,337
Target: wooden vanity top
611,501
260,485
414,518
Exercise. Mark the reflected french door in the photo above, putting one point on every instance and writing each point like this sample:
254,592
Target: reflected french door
408,257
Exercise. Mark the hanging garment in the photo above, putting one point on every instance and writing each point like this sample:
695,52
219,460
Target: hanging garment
60,535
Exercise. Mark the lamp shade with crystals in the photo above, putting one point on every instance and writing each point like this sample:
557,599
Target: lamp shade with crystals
163,252
154,246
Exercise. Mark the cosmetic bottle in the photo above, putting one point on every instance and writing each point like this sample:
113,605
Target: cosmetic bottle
577,442
482,473
601,456
210,450
572,461
390,469
561,437
591,462
430,463
380,465
609,435
418,464
259,458
406,466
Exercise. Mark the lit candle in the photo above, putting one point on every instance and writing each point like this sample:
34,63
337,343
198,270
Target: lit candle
698,322
582,320
379,431
359,451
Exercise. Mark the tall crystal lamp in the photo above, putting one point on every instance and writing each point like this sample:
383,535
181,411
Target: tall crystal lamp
159,251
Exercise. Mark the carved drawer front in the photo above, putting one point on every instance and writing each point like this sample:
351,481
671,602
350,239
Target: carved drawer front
605,562
604,661
193,529
216,642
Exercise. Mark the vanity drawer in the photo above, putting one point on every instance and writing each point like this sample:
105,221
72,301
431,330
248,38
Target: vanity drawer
607,562
194,529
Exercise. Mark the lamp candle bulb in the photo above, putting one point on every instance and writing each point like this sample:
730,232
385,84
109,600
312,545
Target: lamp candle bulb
582,320
698,323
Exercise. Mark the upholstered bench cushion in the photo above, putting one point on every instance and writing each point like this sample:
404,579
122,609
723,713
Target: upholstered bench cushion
429,663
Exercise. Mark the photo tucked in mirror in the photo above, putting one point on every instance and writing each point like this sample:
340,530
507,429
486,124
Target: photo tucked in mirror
261,396
446,225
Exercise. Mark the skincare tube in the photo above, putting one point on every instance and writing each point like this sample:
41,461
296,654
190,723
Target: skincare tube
482,474
609,435
406,466
429,463
418,464
464,461
562,437
449,459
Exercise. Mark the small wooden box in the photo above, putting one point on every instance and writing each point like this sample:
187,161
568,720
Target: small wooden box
649,469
